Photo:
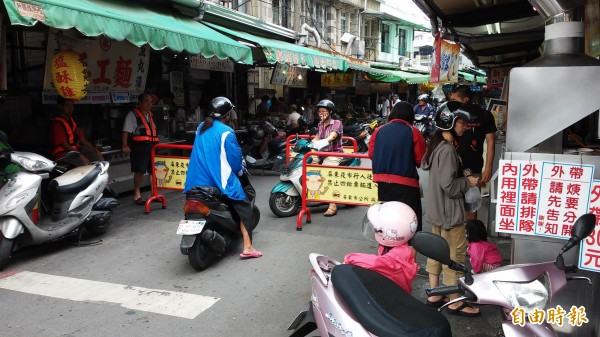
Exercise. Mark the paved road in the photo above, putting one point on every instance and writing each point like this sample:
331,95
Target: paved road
124,285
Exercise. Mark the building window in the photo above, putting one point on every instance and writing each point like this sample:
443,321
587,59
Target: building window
401,42
385,39
343,22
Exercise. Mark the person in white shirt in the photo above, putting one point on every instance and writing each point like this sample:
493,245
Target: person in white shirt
385,106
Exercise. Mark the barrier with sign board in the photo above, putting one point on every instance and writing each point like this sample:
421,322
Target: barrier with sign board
289,145
348,185
168,172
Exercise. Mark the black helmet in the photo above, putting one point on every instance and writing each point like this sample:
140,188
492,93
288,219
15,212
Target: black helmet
327,104
220,107
423,97
448,113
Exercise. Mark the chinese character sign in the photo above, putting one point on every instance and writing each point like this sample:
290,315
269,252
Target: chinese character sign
344,185
111,65
589,255
518,194
285,74
170,172
337,80
564,196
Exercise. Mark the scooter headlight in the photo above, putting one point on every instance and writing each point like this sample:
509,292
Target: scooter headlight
31,165
527,296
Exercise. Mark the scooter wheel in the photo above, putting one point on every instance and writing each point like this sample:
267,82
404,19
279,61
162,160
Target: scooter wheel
6,246
200,256
284,205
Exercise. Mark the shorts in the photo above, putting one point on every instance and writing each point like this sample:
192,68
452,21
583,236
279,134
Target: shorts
405,194
141,157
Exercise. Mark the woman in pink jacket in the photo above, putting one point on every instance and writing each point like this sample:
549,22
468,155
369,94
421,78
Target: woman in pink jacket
483,255
392,224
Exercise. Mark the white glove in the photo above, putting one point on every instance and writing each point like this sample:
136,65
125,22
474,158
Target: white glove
320,144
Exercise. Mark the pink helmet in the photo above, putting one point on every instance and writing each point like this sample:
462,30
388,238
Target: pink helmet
391,223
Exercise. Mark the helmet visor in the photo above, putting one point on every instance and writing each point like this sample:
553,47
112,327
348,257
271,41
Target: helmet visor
368,231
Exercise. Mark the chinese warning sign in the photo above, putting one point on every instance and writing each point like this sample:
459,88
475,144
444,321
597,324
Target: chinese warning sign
170,172
589,255
340,184
541,198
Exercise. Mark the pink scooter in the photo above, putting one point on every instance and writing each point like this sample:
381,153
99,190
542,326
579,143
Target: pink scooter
348,300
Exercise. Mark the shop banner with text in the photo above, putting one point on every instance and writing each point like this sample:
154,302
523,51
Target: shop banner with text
589,254
340,184
446,59
171,171
112,66
285,74
541,198
337,80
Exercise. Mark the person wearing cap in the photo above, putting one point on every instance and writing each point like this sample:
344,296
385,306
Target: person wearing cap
138,137
445,201
423,107
216,160
331,130
67,136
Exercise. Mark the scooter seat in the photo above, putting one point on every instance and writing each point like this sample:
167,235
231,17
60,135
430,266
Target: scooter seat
383,308
72,181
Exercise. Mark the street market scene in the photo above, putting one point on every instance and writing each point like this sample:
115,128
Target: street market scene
300,168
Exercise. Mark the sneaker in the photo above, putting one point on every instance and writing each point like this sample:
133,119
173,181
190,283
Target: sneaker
422,272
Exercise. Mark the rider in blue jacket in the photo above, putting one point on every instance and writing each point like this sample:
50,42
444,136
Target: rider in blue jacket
216,160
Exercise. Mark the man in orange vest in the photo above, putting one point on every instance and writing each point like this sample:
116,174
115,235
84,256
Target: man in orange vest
138,137
66,136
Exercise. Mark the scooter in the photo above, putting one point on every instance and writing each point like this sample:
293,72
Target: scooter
76,196
285,199
270,148
209,226
350,300
424,125
526,287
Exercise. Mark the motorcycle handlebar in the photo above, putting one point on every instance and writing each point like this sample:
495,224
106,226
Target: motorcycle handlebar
443,290
571,269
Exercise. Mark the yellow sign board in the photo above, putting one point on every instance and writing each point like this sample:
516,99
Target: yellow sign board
170,172
346,185
337,80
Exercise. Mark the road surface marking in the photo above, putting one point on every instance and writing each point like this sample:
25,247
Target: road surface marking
158,301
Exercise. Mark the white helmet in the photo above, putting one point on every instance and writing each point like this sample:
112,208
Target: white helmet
391,223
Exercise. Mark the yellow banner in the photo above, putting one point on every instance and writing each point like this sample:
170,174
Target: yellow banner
170,172
340,184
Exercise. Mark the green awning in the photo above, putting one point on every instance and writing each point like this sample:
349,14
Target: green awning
470,77
369,70
284,52
401,76
128,20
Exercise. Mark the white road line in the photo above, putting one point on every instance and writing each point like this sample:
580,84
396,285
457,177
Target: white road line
137,298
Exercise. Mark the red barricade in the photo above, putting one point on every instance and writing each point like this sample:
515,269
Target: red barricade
304,210
155,196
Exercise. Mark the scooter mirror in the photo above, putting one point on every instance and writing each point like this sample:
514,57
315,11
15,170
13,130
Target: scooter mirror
433,246
584,226
313,131
71,155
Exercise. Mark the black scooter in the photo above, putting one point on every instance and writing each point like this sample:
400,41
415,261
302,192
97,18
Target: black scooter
210,224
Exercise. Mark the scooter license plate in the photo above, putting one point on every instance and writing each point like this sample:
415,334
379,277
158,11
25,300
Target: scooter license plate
190,227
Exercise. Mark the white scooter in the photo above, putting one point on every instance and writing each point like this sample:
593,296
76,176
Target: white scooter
76,198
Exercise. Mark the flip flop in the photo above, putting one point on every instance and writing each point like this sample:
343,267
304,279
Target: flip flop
438,303
254,254
458,311
140,201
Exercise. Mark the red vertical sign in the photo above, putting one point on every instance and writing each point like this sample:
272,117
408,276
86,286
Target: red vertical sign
435,65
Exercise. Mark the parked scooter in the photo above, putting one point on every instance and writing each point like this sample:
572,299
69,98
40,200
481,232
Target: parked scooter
76,196
285,199
210,226
522,286
424,125
271,145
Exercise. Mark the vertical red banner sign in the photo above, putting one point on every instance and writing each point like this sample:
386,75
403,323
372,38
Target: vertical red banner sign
435,65
589,254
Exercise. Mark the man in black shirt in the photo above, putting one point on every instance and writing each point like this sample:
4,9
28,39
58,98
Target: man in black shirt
481,127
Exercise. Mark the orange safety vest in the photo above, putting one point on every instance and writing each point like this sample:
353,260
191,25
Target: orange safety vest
146,136
71,130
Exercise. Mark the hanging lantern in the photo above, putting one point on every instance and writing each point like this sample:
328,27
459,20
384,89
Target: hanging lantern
69,75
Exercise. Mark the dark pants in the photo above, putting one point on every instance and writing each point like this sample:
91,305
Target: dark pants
245,208
405,194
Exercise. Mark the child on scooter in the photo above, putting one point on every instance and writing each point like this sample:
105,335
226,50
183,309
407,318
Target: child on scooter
483,255
391,224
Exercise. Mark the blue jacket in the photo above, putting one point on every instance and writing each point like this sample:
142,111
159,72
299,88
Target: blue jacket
396,150
216,160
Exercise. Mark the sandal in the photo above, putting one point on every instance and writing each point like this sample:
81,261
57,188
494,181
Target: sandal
330,212
459,311
140,201
436,304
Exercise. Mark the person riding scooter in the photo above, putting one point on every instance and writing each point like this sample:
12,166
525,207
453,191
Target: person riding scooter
216,161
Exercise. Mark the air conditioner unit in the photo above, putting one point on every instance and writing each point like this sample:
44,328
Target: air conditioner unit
346,37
